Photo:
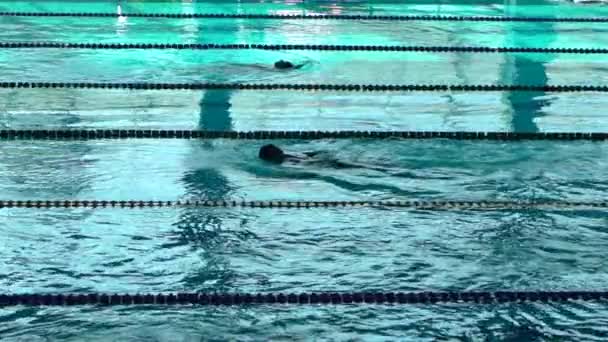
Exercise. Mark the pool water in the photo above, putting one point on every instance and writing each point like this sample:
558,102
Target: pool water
286,250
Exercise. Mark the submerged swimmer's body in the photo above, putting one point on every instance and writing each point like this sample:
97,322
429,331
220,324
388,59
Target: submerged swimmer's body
283,66
275,155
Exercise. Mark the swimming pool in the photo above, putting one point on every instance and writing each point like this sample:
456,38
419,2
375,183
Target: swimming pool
287,250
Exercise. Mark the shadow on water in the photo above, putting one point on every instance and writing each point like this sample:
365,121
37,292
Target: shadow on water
198,227
525,107
331,177
215,109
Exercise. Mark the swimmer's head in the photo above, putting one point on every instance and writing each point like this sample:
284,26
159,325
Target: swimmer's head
283,64
272,154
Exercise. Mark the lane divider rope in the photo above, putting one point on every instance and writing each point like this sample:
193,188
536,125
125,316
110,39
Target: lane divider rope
308,17
230,299
425,205
376,48
307,87
90,134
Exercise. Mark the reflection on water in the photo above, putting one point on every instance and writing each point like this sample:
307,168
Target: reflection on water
525,107
215,110
198,227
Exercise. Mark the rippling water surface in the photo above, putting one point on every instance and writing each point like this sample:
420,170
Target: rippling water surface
258,250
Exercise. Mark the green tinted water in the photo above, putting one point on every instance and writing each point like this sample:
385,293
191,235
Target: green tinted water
251,250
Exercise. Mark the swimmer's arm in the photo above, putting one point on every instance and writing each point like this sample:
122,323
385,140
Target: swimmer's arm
299,66
260,66
344,165
291,156
311,153
254,65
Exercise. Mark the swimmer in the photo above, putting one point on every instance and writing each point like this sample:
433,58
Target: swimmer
284,65
281,66
275,155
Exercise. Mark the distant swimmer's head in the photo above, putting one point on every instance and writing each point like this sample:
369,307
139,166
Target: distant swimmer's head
283,64
272,154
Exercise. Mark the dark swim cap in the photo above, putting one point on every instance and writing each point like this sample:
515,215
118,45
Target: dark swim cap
271,153
283,64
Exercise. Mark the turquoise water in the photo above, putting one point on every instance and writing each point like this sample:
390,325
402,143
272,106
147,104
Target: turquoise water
259,250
